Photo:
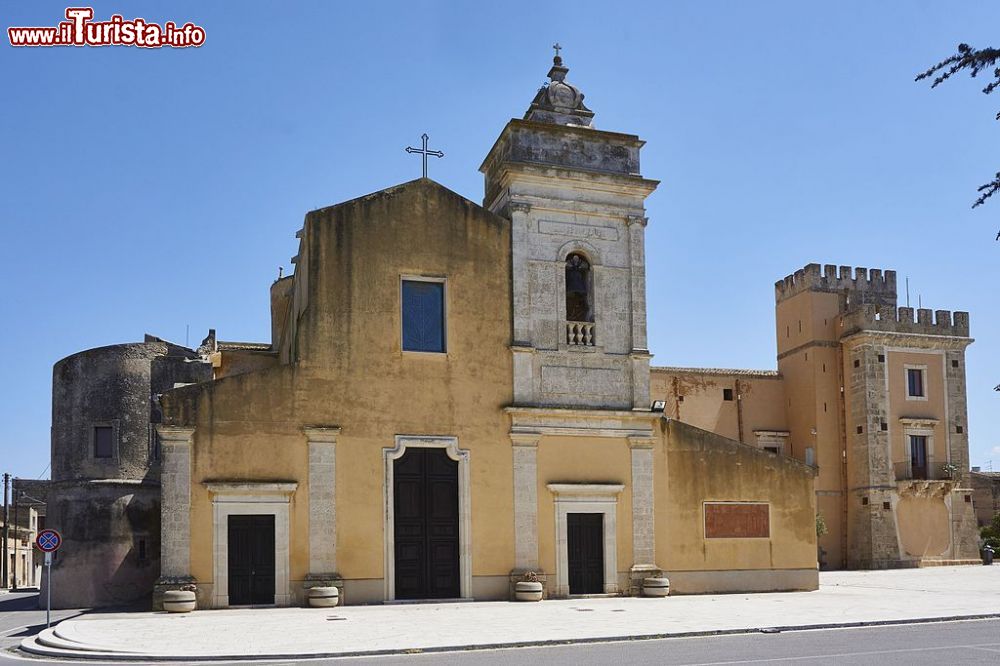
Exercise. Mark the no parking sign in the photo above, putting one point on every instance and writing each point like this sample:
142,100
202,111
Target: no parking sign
48,541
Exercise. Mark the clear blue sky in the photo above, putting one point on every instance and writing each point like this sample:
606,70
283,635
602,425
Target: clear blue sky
150,190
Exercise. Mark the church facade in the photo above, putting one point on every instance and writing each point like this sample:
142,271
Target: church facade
457,395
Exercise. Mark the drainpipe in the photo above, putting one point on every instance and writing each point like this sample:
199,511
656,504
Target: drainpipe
739,411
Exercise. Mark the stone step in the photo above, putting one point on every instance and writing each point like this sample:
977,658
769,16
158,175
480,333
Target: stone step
32,646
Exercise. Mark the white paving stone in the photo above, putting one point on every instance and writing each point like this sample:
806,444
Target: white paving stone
844,597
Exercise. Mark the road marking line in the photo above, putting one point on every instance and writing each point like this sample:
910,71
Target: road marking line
841,654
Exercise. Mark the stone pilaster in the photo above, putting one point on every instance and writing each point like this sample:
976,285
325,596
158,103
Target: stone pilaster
637,283
643,522
958,418
964,528
175,510
519,275
175,500
873,542
525,452
322,501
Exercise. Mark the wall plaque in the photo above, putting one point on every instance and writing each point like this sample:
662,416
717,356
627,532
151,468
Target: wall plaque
577,230
737,520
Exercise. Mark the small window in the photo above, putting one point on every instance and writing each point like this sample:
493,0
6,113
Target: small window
810,456
959,429
881,358
857,363
915,383
579,289
772,449
864,501
954,364
423,316
885,426
887,506
727,394
680,398
104,442
861,429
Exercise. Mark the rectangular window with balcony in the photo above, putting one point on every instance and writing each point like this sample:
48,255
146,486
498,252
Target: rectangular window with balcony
918,457
423,316
915,384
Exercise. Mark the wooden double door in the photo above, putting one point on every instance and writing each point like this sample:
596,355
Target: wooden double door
585,551
251,560
426,529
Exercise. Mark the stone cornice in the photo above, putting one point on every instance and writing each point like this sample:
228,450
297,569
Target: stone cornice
175,434
569,422
251,487
571,490
807,345
321,433
912,422
915,340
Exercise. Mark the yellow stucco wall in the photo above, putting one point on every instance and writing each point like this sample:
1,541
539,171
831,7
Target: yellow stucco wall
342,365
702,467
351,372
931,408
583,460
758,400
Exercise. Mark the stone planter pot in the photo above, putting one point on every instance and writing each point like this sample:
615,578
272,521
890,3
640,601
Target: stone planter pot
323,597
179,601
655,587
528,591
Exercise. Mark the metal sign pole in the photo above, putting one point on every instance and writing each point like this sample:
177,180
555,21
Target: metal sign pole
48,590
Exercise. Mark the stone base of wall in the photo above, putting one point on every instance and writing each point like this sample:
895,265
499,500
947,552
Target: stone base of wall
749,580
947,563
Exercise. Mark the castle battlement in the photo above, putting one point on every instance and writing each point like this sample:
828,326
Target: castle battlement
871,285
871,317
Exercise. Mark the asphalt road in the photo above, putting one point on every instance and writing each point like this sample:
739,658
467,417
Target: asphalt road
20,617
970,642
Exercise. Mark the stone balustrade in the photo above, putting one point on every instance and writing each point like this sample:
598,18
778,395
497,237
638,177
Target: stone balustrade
580,333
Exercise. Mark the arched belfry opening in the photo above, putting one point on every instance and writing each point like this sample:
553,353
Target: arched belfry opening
579,289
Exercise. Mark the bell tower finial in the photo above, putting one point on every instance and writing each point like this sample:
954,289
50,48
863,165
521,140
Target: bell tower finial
559,102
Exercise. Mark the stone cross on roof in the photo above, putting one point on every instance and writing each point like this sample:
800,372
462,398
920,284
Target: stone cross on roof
424,152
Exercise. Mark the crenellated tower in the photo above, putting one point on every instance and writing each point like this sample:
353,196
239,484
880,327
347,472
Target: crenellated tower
876,399
575,198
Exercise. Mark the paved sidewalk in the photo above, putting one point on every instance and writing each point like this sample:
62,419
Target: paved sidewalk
844,599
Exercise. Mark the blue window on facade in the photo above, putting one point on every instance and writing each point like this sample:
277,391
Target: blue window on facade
423,316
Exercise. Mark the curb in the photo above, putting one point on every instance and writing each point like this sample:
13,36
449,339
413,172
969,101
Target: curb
139,658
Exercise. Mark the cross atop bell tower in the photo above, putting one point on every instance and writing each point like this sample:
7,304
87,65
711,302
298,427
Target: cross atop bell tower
576,202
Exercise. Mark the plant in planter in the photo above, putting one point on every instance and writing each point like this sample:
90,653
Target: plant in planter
181,600
529,588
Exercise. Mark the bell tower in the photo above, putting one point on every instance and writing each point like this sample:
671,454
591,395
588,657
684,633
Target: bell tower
576,201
